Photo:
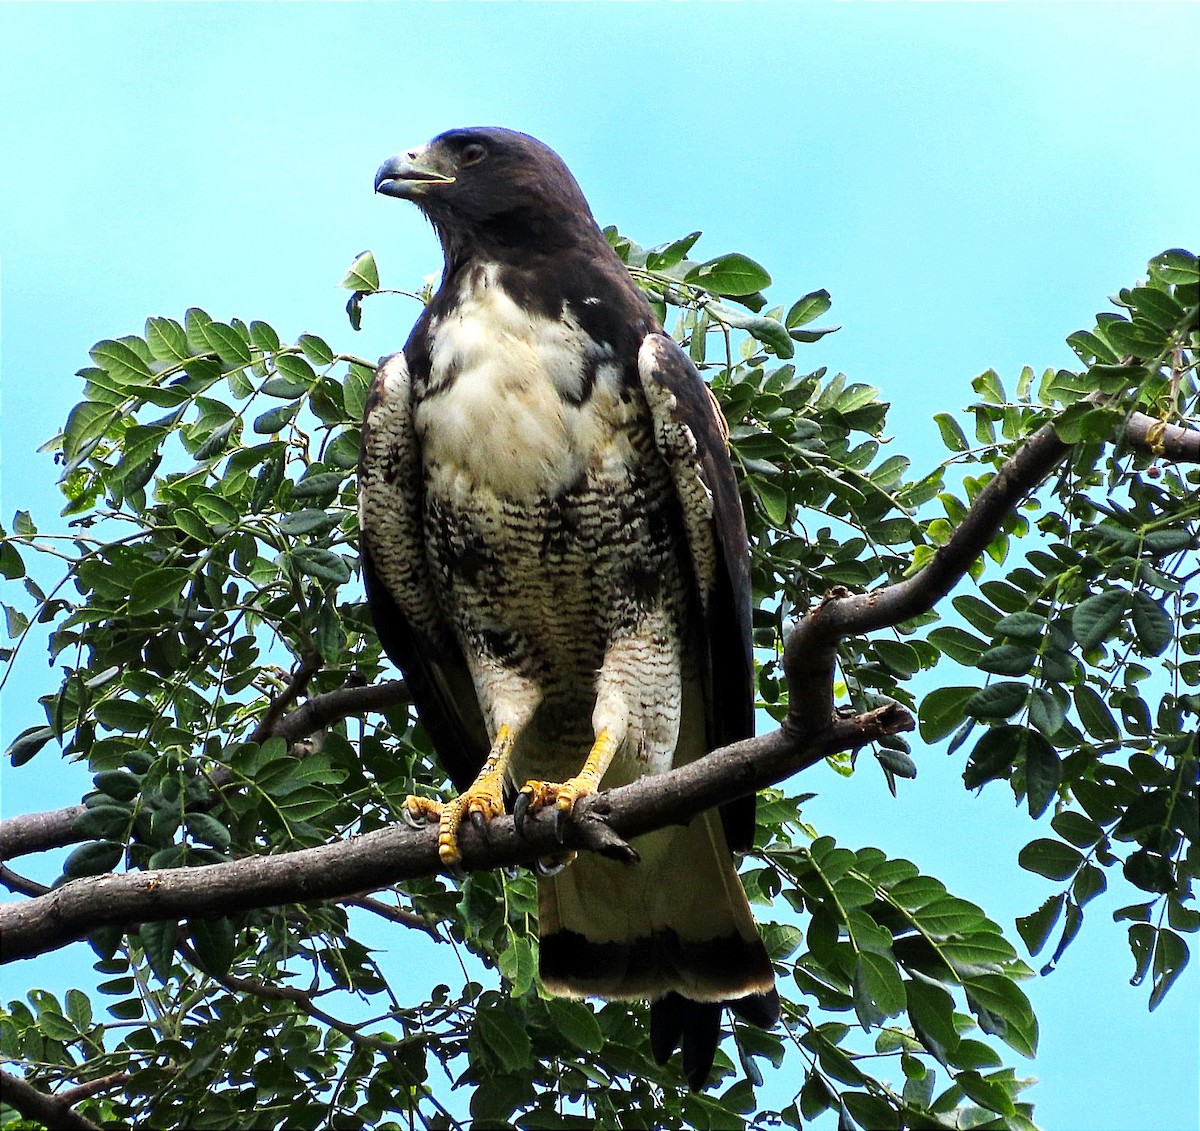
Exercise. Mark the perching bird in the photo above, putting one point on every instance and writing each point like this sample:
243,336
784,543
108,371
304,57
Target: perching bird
555,555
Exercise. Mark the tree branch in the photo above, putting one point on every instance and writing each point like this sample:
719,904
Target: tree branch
387,856
1170,441
39,832
50,1111
22,885
810,652
400,915
90,1088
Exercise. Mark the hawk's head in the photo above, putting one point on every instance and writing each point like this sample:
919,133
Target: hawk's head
486,187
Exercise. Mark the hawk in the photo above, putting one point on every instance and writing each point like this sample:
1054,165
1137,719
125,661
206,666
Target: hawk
555,555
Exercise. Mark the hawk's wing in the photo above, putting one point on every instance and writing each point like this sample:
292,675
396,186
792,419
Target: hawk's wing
691,435
400,592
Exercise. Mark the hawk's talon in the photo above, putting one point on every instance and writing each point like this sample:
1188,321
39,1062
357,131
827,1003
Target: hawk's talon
520,812
420,812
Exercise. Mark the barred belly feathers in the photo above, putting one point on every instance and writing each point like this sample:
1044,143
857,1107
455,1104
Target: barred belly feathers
555,556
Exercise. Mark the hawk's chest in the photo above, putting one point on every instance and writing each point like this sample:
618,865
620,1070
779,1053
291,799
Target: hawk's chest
517,404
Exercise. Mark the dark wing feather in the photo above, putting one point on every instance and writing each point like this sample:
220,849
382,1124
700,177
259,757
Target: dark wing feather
400,592
438,681
727,604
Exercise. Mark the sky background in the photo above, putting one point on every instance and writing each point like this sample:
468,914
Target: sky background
968,181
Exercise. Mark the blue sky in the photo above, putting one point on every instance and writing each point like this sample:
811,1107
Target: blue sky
969,181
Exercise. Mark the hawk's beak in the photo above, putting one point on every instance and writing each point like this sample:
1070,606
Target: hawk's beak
407,174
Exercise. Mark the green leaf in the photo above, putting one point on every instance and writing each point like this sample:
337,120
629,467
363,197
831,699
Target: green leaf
87,423
94,858
1094,714
294,366
1096,619
216,442
120,785
1152,625
321,563
505,1038
931,1011
166,339
773,498
1021,626
102,822
215,943
1176,267
1007,659
1050,858
283,387
517,963
1043,773
129,1010
942,710
319,485
994,755
121,363
157,589
227,343
733,274
124,714
363,274
987,1093
952,434
958,644
1170,958
1035,929
275,419
997,701
316,349
805,309
668,255
11,565
309,521
158,941
205,828
264,337
28,743
878,988
1002,998
576,1021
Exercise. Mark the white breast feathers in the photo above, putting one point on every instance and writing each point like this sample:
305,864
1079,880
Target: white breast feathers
517,403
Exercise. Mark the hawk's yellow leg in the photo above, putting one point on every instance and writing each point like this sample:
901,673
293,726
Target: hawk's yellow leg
565,794
485,797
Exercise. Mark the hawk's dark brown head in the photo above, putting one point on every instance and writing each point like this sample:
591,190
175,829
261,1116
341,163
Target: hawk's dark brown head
489,187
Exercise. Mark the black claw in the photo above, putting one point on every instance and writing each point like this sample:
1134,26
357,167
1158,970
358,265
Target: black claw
481,826
561,817
520,809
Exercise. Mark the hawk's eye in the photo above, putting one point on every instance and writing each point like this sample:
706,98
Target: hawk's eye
472,154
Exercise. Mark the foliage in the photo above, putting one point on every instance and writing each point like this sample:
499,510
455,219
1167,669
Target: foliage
208,582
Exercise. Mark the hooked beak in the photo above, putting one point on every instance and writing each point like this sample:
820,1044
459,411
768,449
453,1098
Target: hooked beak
408,174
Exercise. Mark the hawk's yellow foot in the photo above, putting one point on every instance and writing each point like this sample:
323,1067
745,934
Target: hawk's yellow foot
482,801
537,795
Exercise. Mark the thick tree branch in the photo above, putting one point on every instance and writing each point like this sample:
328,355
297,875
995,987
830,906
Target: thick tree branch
90,1088
41,1108
810,652
388,856
1171,442
39,832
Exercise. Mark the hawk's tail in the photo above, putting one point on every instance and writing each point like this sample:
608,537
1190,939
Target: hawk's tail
675,928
